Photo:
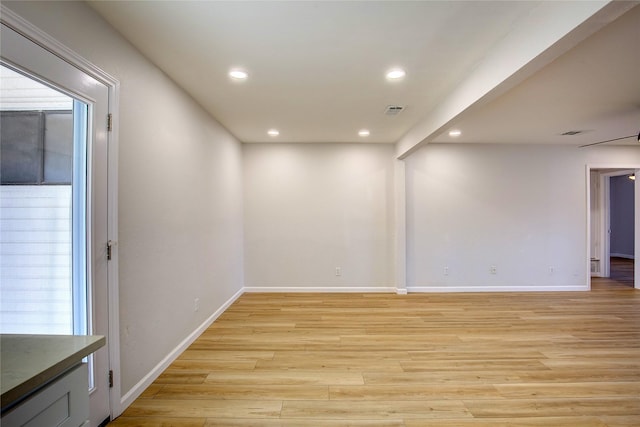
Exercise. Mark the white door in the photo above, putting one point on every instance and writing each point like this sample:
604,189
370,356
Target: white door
54,208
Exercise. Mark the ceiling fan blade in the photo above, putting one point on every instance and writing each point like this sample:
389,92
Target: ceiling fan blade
609,140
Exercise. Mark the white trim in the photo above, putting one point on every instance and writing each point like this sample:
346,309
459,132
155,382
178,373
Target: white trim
321,289
636,262
587,261
148,379
605,184
43,39
605,224
113,268
598,234
594,166
400,211
402,291
527,288
35,34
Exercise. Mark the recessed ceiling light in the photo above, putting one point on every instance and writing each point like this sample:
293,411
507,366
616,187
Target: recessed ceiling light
396,74
273,132
238,74
455,133
364,132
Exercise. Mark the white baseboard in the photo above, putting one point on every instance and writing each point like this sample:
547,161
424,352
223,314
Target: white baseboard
532,288
146,381
401,291
622,256
320,289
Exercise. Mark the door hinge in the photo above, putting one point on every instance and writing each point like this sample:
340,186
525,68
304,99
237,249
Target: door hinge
109,249
110,379
109,122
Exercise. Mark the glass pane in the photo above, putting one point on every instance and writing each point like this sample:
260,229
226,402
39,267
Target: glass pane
42,208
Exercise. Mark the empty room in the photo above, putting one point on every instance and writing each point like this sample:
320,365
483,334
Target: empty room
320,213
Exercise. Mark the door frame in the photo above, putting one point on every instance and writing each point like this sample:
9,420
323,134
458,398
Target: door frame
35,34
617,169
605,232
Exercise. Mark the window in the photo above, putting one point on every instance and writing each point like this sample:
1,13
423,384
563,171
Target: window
37,147
42,234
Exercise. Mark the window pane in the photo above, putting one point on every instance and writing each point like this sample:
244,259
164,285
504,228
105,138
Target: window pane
41,213
58,147
21,160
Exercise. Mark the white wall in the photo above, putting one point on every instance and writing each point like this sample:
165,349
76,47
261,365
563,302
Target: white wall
310,208
518,208
180,194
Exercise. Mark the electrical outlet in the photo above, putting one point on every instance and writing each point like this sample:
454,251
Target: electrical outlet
446,271
196,304
338,271
551,270
493,269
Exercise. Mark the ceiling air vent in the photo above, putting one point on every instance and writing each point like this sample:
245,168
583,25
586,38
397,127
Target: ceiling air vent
393,110
572,132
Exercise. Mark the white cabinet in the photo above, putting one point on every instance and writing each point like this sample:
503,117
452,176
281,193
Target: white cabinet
64,402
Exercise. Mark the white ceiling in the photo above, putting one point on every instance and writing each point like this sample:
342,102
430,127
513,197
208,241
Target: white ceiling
595,88
316,68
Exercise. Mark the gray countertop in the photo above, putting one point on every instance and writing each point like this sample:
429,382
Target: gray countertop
28,362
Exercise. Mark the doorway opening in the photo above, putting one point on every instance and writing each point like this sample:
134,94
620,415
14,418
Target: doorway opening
43,189
612,227
58,184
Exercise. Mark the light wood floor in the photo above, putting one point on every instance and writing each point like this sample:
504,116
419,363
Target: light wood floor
622,271
492,359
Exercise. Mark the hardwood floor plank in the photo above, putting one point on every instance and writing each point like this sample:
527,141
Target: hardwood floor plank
509,422
587,389
337,354
452,377
399,342
414,392
206,354
475,352
158,422
204,408
170,376
581,375
474,365
620,352
295,377
302,423
325,363
151,391
343,410
242,392
208,365
594,363
505,408
621,421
